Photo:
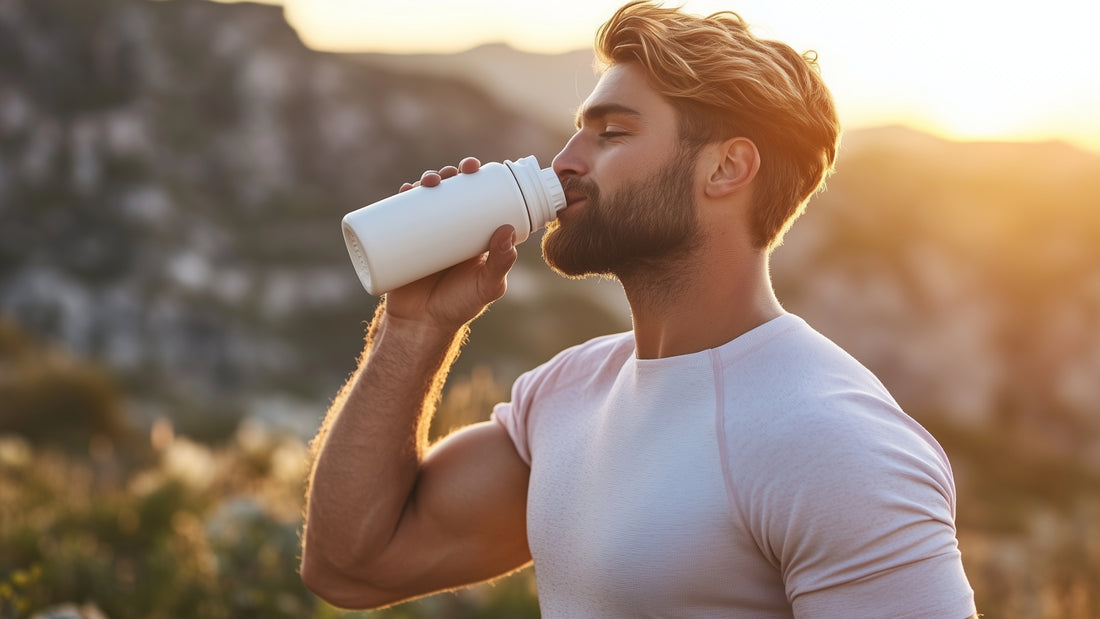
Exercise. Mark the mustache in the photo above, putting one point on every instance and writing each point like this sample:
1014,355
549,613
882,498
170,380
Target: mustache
584,186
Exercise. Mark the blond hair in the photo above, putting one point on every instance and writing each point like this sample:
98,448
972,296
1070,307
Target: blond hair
725,82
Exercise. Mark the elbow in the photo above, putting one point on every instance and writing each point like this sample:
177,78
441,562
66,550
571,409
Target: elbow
341,588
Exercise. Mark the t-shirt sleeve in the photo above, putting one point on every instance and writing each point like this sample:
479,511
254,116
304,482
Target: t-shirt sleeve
515,416
512,417
548,387
859,519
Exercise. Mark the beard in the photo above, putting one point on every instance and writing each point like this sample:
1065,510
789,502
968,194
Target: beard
643,226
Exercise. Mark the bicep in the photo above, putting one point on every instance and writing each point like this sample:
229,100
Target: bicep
466,519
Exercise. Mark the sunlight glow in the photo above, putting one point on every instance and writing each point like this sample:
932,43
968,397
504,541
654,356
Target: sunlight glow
966,69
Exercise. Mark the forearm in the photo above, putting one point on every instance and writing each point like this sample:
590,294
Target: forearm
369,450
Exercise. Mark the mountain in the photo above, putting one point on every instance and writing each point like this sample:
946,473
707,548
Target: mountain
545,87
173,174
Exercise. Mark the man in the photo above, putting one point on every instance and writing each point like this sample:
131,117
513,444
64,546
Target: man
721,459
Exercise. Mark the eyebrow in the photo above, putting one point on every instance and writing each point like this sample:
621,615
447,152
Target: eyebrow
603,110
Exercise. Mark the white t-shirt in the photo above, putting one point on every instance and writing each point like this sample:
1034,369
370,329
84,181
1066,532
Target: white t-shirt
773,476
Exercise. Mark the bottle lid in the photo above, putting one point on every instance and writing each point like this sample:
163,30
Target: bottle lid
541,190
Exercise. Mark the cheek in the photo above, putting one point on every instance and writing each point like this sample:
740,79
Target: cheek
641,160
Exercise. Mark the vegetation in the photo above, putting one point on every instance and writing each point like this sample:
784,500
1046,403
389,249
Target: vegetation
164,526
194,532
1029,524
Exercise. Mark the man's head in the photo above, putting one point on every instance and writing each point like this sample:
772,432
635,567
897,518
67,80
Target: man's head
723,83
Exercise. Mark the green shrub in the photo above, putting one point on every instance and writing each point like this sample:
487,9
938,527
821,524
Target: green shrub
51,398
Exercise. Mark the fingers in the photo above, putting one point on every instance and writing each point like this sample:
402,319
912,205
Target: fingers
432,178
469,165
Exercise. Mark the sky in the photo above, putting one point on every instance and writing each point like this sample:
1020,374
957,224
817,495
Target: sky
965,69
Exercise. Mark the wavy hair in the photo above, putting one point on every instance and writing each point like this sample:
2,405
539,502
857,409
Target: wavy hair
725,82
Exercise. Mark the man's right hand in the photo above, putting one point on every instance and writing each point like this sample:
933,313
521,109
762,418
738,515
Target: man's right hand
453,297
388,517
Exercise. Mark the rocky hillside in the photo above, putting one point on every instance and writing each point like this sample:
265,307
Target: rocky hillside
173,173
172,178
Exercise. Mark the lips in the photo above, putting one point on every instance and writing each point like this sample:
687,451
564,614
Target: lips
576,191
572,197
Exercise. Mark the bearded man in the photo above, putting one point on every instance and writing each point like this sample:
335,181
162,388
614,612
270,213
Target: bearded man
722,458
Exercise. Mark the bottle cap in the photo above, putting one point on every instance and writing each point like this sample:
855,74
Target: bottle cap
541,190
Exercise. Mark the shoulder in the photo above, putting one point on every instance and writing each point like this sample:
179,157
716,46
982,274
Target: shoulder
602,347
789,352
835,483
581,363
557,383
786,380
800,395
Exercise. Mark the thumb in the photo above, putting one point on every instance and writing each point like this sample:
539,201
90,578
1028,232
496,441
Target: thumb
502,255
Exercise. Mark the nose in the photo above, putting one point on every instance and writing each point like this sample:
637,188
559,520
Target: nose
571,160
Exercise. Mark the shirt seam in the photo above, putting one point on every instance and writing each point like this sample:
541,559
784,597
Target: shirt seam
736,511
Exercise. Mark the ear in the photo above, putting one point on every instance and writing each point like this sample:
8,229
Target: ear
734,167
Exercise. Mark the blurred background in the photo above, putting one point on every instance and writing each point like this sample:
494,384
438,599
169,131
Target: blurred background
177,306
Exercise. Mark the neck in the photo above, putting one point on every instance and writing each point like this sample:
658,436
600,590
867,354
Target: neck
693,305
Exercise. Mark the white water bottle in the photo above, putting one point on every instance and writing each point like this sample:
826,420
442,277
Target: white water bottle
415,233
